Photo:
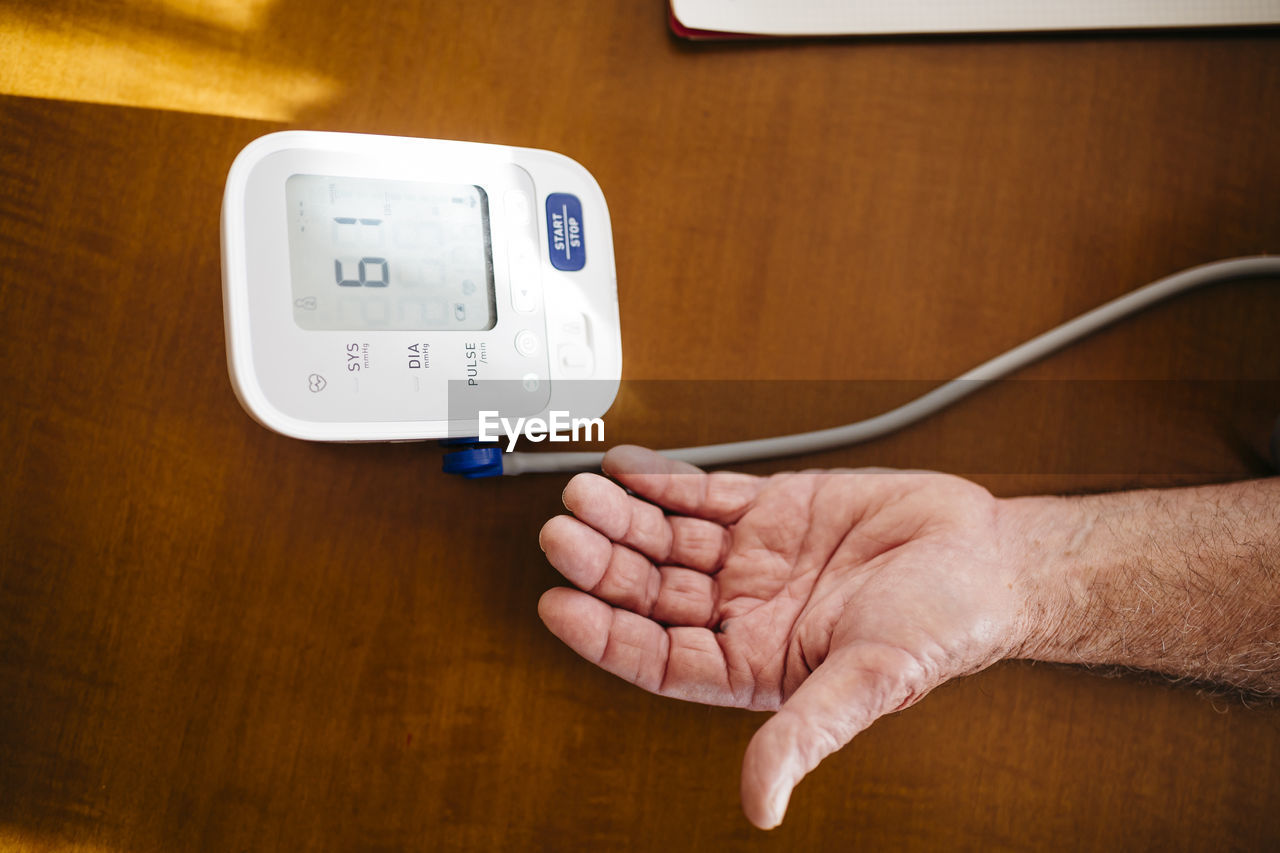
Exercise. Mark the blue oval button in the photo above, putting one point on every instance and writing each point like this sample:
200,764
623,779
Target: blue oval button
565,240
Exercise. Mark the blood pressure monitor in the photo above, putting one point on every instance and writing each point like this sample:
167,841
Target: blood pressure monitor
388,288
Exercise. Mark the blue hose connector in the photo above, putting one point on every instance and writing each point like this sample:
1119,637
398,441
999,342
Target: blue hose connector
474,462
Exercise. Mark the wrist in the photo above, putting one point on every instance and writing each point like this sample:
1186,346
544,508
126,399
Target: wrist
1058,550
1180,581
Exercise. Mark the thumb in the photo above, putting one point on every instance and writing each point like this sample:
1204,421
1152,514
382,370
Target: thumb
848,692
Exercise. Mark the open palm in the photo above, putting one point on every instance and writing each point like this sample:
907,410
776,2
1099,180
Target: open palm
833,597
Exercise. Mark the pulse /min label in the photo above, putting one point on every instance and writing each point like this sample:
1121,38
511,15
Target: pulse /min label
565,241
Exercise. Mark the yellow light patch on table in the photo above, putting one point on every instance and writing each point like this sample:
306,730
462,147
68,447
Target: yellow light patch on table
240,15
176,55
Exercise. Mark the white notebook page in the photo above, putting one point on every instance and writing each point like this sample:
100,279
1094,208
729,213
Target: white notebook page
839,17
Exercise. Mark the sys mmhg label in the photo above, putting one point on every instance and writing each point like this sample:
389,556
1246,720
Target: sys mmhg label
565,241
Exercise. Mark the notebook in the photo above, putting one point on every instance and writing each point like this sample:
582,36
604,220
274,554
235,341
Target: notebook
730,18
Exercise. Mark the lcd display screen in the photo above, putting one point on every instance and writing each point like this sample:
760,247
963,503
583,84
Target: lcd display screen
370,254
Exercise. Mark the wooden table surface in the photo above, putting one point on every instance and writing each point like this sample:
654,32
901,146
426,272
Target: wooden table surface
216,638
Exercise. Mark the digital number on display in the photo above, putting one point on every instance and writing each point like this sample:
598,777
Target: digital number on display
369,254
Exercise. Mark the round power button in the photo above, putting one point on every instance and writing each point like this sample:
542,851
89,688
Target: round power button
526,342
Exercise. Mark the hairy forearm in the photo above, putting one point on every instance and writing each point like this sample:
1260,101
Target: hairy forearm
1184,582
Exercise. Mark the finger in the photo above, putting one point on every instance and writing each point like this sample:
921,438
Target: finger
683,663
844,695
603,504
722,496
623,577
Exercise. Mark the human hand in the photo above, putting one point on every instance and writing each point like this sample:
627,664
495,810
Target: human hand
831,597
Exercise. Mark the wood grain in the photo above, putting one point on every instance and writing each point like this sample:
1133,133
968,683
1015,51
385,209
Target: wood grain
216,638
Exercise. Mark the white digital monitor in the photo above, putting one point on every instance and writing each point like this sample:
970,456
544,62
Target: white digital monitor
387,288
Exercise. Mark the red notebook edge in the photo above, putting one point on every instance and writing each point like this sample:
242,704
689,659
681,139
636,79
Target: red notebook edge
692,34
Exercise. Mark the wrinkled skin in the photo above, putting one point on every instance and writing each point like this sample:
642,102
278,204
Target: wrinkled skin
831,597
